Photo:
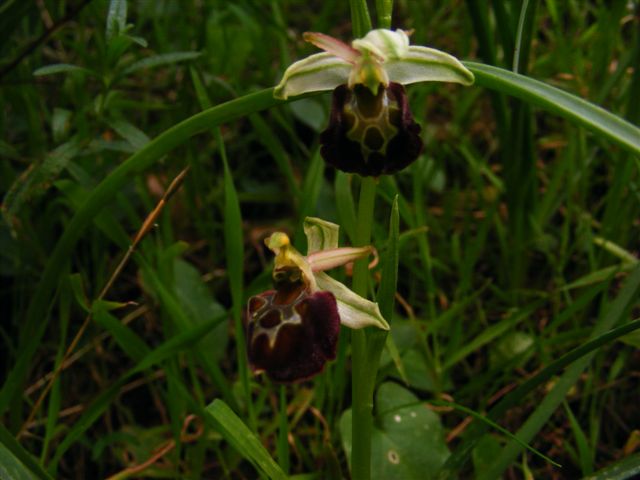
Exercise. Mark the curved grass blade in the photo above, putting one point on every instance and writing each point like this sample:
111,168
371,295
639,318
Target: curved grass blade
554,100
233,429
492,424
234,249
626,468
15,462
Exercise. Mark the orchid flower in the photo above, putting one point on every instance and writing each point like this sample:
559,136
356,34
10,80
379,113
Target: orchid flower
292,331
371,129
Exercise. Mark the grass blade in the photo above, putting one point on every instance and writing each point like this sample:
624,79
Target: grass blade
554,100
160,60
15,462
234,248
243,440
389,281
537,420
626,468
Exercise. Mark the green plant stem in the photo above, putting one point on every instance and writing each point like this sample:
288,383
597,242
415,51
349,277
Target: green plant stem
383,12
363,373
360,19
283,431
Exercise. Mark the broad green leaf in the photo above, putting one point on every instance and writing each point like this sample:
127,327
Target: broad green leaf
407,440
233,429
418,374
199,304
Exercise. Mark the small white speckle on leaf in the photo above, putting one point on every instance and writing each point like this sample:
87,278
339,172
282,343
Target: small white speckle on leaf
413,414
397,418
393,457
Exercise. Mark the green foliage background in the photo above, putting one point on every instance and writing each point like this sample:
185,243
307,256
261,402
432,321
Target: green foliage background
517,246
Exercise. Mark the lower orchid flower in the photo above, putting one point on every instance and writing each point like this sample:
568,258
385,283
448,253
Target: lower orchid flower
371,129
292,331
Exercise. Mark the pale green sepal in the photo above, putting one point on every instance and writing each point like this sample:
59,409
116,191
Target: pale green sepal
423,64
335,257
321,235
355,311
387,44
316,73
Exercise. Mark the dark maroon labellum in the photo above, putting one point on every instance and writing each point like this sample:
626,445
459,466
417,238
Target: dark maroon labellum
371,134
291,334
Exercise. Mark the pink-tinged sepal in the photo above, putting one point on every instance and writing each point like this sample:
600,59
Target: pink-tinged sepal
291,334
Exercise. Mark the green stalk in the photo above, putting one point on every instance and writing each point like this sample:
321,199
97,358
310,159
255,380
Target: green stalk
283,431
383,11
360,19
363,353
363,372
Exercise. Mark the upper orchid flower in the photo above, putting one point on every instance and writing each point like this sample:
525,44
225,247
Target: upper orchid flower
292,331
371,129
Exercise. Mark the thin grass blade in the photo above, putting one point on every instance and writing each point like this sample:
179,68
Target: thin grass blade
233,429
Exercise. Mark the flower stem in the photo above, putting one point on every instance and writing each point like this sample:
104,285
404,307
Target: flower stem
363,375
384,9
360,19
